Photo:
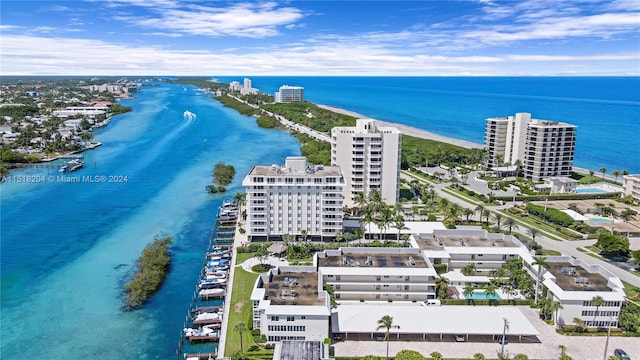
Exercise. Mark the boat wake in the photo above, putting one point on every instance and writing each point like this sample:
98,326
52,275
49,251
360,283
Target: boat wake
188,115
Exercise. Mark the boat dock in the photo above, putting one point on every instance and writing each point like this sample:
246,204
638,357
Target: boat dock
203,323
201,356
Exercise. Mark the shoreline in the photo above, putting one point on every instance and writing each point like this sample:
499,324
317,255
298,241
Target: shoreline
408,130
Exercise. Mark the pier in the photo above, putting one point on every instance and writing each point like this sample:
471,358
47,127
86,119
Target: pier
204,320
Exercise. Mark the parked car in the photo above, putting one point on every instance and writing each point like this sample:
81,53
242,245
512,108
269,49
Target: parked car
621,354
460,338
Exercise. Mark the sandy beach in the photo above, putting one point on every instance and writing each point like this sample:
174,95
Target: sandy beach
408,130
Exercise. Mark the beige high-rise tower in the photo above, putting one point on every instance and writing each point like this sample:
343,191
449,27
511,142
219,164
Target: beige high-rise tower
545,148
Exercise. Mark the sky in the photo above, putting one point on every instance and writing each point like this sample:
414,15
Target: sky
343,38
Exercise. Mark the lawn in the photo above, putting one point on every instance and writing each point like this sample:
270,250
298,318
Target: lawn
242,257
240,309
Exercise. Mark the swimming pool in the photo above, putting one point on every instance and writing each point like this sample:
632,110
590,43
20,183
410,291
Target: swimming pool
590,191
480,295
600,220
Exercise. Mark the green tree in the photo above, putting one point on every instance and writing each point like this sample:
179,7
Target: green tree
398,223
563,350
468,290
554,307
436,356
629,318
580,326
533,232
596,301
240,327
386,323
628,214
442,286
468,270
603,170
613,244
261,254
478,356
467,213
409,355
510,223
616,173
541,261
497,217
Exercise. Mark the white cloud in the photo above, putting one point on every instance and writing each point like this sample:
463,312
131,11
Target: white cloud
242,19
33,55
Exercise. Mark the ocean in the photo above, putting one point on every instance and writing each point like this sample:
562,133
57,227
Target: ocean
605,109
67,248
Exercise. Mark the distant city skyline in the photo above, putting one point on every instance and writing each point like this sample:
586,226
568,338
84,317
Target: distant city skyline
428,38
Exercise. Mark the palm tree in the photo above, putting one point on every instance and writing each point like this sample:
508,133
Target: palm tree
591,172
533,232
497,217
510,223
375,200
563,350
367,219
303,233
479,209
579,323
616,173
486,213
442,285
490,290
240,328
361,201
468,290
467,212
385,218
386,323
554,307
398,223
603,170
596,301
541,261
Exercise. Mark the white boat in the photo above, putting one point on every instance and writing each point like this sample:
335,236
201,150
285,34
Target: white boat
211,292
208,316
216,276
203,331
70,166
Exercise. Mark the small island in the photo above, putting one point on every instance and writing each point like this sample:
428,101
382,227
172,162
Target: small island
222,175
151,270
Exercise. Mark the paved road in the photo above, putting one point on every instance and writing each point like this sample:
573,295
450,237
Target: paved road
565,247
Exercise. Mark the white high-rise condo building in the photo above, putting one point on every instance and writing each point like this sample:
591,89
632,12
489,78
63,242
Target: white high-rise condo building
296,198
544,148
369,157
289,94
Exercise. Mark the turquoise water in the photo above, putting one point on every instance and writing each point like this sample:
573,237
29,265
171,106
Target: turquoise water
67,248
605,109
589,191
480,295
600,220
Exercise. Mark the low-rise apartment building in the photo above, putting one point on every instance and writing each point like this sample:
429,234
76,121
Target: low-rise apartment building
289,304
631,186
378,274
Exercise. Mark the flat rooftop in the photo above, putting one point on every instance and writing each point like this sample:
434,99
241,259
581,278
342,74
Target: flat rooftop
374,260
416,319
293,288
576,278
283,171
468,241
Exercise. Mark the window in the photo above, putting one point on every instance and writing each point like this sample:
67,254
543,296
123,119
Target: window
275,318
291,318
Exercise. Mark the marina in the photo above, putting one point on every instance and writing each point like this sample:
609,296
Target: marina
203,324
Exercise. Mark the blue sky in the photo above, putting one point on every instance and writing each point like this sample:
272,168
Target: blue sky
456,38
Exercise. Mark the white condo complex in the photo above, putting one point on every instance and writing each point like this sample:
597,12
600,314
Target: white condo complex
296,198
369,156
631,185
290,303
289,94
545,148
